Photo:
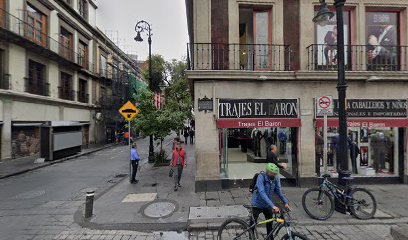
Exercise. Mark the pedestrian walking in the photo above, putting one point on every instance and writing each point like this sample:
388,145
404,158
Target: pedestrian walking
176,140
178,163
186,135
134,160
354,152
191,134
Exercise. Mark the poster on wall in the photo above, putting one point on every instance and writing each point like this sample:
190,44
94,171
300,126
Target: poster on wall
364,135
382,39
364,156
326,38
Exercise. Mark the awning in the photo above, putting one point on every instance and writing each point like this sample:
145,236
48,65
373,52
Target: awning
366,122
259,123
36,124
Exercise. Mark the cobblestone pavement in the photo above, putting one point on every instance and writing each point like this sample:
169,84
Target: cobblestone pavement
332,232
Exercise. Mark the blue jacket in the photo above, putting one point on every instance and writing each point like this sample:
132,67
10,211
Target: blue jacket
262,196
134,156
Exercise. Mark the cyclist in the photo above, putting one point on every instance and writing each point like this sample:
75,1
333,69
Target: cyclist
267,184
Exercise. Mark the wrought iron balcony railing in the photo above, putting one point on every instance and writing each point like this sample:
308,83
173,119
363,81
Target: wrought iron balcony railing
32,34
38,87
253,57
83,97
66,94
323,57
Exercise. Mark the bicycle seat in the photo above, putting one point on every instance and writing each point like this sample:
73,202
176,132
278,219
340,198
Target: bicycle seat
248,206
326,175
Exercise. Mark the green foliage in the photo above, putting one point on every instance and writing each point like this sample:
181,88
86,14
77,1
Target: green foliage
158,71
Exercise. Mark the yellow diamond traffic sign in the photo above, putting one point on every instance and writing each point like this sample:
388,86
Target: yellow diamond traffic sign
129,111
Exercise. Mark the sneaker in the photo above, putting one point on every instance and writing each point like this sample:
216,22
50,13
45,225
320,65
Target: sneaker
133,182
179,185
175,189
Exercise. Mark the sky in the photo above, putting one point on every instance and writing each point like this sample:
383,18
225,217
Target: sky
117,18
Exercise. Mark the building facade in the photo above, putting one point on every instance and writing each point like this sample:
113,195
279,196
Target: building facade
257,69
56,65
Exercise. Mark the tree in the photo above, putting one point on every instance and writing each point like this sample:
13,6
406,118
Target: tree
158,71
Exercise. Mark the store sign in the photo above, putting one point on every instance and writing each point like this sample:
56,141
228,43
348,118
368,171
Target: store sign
372,108
366,123
257,108
259,123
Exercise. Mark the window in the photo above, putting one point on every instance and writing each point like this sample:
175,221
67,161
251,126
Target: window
36,29
65,89
4,80
83,95
83,54
383,39
35,83
83,8
66,44
103,66
255,39
325,50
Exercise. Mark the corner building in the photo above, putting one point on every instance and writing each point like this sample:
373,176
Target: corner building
257,69
56,65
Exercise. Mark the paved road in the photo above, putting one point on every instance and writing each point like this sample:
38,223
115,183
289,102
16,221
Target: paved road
43,202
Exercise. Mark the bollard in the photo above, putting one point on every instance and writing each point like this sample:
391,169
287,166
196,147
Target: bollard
89,204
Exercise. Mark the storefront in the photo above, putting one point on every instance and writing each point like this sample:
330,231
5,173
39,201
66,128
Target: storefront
376,138
248,127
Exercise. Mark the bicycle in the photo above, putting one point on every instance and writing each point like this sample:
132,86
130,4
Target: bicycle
358,201
240,229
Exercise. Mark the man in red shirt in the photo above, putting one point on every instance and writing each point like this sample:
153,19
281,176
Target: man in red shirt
178,162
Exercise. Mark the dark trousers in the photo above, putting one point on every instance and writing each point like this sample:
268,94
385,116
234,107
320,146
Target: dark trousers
354,164
177,177
186,138
135,164
191,139
268,215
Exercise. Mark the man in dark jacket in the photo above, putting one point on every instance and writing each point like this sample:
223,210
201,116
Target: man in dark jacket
273,157
354,152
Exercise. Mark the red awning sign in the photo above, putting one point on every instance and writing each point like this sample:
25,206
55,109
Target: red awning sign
259,123
366,123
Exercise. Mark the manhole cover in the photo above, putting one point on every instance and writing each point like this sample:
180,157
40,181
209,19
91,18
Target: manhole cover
30,194
159,209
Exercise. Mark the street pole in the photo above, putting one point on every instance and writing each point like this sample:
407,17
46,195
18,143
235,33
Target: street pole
151,149
341,88
130,155
325,144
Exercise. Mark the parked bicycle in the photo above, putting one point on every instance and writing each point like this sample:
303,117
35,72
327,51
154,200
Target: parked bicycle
239,229
319,202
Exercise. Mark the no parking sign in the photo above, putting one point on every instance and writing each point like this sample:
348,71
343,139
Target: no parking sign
324,106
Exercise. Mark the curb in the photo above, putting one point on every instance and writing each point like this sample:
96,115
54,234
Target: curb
56,161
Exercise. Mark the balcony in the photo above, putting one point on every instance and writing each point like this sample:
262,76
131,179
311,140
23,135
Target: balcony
20,32
246,57
83,97
66,94
358,58
37,87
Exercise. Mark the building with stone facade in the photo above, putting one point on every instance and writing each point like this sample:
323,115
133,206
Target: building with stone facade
257,69
56,65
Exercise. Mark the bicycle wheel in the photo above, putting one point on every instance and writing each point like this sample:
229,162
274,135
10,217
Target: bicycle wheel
295,236
235,229
362,203
318,204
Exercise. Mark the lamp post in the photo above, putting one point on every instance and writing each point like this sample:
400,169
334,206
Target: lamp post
322,18
140,27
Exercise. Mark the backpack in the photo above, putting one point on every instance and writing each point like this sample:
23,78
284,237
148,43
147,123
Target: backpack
252,186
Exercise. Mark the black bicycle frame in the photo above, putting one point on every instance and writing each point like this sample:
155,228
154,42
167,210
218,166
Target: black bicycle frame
335,191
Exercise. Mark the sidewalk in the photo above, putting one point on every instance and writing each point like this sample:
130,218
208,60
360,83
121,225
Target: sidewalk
14,167
152,205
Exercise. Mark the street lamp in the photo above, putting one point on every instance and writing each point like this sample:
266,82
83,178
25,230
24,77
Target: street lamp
140,27
321,18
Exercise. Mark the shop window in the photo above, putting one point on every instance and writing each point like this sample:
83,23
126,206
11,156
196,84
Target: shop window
83,8
83,54
255,38
371,152
383,48
36,28
245,152
66,44
35,83
25,141
325,49
65,89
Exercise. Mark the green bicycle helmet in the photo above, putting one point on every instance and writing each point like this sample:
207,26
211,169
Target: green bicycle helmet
271,167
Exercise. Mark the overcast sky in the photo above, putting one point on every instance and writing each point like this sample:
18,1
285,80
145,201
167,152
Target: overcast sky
167,19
